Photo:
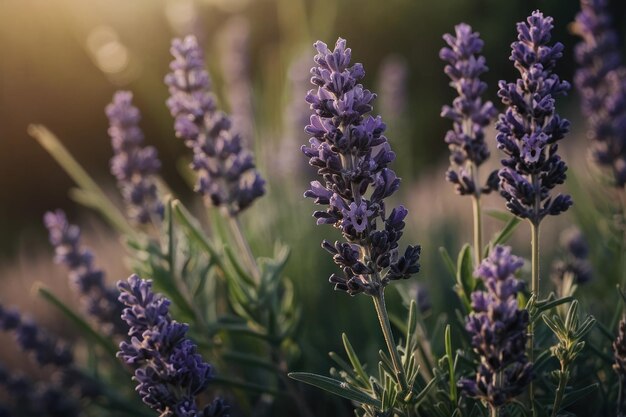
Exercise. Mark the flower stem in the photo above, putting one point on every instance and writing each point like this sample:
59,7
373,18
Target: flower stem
560,390
477,229
494,411
383,317
535,291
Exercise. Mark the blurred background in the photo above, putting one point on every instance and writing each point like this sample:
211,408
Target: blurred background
61,61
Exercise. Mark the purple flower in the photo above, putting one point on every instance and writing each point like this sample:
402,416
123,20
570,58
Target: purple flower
99,301
351,154
498,331
45,349
226,173
601,81
470,116
134,166
169,371
530,127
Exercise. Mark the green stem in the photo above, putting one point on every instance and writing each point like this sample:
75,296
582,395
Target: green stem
560,390
535,291
478,233
383,317
242,242
494,411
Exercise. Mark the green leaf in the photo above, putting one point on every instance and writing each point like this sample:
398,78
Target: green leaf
105,343
448,341
336,387
354,359
90,193
573,396
506,231
503,216
464,272
447,260
423,393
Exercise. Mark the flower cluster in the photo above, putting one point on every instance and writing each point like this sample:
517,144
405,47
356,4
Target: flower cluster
32,339
468,113
530,128
575,265
226,173
99,300
601,81
351,153
134,166
498,331
169,371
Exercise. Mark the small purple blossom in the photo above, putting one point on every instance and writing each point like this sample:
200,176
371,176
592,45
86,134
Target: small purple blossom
498,332
134,166
227,176
530,127
351,154
169,371
469,114
99,300
601,81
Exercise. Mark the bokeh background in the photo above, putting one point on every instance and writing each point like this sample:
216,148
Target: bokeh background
61,61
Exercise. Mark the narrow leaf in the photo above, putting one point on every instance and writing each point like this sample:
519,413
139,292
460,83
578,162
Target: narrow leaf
336,387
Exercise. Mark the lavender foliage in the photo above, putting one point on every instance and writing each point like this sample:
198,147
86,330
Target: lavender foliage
530,127
133,165
169,371
469,114
226,172
498,332
601,81
351,154
99,300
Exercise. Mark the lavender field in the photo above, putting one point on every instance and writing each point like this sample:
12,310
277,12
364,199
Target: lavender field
218,208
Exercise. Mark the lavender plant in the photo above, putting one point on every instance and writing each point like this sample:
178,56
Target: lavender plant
498,333
133,166
99,301
470,116
600,80
211,297
169,371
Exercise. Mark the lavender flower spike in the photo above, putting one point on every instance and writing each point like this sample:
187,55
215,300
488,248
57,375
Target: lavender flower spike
468,113
169,371
351,153
134,166
498,331
226,173
99,300
601,81
530,128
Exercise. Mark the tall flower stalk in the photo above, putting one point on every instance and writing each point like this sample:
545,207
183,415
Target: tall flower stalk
529,130
351,154
497,327
601,81
133,165
470,115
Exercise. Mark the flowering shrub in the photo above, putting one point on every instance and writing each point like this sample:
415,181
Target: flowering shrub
206,327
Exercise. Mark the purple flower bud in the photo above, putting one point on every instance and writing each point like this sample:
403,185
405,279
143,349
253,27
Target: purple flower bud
530,127
134,166
226,173
498,332
169,371
99,301
351,154
470,116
